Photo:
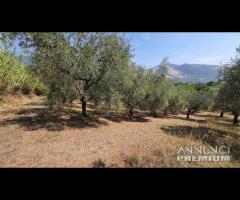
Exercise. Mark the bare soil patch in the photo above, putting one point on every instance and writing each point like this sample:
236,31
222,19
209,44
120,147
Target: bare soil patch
31,136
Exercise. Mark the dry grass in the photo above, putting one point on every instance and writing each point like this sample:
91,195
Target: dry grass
162,156
30,136
10,102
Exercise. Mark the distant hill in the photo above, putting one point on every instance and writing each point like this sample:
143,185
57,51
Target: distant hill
193,72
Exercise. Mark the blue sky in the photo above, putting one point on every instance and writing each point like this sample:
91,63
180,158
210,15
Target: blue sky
193,48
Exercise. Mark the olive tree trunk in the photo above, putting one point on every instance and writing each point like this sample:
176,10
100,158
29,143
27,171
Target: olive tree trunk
131,111
188,113
165,111
84,106
221,114
235,120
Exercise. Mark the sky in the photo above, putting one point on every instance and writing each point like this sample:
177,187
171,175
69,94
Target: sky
192,48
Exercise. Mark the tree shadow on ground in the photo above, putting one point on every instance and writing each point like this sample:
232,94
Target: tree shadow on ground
113,115
42,118
224,122
217,118
119,117
39,118
206,115
176,116
124,117
203,121
211,136
158,115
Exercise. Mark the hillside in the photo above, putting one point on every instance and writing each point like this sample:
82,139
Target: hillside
193,72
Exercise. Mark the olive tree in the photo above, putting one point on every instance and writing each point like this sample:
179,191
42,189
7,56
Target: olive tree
229,93
133,87
176,102
77,61
158,89
221,103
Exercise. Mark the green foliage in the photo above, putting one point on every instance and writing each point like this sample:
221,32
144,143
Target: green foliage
188,87
228,98
177,101
97,67
15,77
76,65
157,90
220,103
197,96
13,72
133,86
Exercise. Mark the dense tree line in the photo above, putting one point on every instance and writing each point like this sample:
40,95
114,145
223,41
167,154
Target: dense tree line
228,98
98,67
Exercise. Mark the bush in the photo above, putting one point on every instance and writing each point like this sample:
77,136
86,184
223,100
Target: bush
26,88
175,104
38,91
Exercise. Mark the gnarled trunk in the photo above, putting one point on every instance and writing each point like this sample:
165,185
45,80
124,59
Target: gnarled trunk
84,106
188,113
131,111
221,114
235,120
165,112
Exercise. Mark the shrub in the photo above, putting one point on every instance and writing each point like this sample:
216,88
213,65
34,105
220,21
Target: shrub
40,89
26,88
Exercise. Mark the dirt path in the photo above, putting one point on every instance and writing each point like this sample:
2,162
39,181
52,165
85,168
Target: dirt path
29,137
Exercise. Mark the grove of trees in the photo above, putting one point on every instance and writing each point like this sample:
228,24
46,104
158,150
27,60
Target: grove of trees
98,67
228,99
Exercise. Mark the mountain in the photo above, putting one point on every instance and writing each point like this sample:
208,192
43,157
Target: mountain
193,72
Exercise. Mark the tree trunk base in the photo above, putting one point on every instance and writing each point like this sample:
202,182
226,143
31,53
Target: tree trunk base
235,120
84,107
221,115
188,114
130,115
165,112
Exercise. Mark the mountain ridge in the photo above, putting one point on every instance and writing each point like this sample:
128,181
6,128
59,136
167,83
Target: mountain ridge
193,72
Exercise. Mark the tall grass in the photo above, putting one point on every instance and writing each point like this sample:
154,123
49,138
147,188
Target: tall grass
16,78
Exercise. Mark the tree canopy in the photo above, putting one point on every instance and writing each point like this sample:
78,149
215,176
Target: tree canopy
98,67
229,94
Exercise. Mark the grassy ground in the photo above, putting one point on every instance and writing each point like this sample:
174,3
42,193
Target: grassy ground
30,136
